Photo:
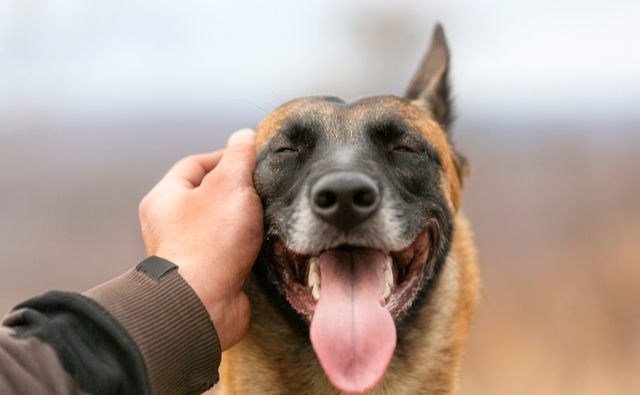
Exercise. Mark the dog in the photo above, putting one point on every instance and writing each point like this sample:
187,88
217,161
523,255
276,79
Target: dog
367,279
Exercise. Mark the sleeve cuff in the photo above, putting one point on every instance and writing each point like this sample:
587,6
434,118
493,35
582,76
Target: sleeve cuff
169,324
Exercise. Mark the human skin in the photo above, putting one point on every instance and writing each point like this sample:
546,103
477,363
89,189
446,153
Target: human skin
206,217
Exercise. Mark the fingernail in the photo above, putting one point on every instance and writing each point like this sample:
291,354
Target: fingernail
242,136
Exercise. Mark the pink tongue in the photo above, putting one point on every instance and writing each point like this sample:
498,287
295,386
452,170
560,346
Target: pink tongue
352,334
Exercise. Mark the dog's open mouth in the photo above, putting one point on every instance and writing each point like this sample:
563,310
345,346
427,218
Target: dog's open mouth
351,295
401,272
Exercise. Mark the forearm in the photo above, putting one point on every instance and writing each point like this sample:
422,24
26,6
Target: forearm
144,332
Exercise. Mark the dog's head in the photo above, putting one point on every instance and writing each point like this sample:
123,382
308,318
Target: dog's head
359,200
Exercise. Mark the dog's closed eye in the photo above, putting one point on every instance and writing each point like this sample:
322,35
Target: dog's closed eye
285,150
407,149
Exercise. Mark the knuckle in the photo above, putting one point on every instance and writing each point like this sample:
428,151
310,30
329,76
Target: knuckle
186,162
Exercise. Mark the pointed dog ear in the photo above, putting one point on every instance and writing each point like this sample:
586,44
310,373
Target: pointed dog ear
430,84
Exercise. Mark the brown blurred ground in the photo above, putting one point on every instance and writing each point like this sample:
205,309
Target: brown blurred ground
555,210
557,222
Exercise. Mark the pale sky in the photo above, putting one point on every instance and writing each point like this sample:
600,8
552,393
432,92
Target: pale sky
141,58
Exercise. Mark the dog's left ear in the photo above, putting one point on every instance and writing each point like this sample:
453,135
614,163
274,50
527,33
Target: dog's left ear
430,84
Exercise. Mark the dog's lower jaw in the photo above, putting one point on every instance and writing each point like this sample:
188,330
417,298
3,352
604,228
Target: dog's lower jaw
276,356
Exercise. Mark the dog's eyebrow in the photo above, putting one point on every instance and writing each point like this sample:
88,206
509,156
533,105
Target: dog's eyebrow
300,130
393,127
390,126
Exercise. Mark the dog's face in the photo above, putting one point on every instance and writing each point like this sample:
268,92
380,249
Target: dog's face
359,199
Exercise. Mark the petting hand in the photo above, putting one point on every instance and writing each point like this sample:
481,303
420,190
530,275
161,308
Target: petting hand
206,217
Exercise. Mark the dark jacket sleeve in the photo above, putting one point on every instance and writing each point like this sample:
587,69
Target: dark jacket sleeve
145,332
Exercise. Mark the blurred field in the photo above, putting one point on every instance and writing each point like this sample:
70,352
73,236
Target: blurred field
558,228
556,216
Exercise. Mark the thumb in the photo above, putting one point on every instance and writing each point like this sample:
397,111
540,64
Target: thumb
239,157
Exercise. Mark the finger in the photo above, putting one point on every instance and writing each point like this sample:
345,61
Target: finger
240,156
190,171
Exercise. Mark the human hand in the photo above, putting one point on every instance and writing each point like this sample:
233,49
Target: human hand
206,217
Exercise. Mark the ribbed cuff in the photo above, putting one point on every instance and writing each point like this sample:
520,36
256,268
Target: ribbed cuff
169,324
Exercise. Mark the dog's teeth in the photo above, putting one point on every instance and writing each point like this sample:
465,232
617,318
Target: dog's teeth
314,279
314,265
387,262
388,277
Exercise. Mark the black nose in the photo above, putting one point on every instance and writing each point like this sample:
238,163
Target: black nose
345,199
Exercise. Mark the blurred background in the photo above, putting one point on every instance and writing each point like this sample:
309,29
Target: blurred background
99,99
